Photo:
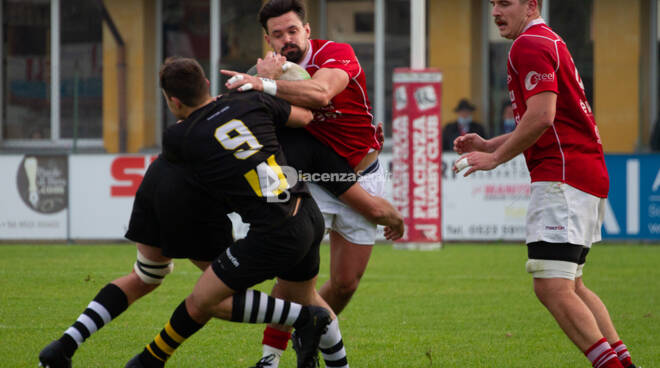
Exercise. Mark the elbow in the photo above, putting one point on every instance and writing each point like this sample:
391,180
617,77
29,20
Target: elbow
321,98
307,117
324,100
546,123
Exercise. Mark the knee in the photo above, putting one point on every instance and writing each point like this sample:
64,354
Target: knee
197,308
549,292
346,286
141,287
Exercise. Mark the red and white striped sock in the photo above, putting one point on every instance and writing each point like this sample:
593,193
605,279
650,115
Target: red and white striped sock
622,351
274,344
602,355
276,338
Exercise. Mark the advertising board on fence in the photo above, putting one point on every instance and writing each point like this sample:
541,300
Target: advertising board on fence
102,192
487,205
417,153
633,210
484,206
81,197
34,197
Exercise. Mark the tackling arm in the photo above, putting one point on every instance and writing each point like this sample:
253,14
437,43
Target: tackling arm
299,117
316,92
312,93
375,209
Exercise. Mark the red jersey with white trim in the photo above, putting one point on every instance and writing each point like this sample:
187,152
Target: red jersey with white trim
570,151
346,123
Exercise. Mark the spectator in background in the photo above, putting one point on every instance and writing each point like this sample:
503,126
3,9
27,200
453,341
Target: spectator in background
461,126
508,123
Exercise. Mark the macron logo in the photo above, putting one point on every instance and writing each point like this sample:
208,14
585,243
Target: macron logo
533,79
233,259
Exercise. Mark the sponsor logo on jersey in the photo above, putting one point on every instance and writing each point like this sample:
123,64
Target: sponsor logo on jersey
233,259
533,79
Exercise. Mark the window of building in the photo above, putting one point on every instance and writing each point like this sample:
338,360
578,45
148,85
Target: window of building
26,70
572,21
187,28
81,70
353,22
654,141
33,111
498,51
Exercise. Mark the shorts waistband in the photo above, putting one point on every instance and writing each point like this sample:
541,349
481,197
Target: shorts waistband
370,169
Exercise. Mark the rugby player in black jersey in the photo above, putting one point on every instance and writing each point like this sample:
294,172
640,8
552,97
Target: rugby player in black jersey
230,147
172,217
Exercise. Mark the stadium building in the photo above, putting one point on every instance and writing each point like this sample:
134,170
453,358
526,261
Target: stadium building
82,75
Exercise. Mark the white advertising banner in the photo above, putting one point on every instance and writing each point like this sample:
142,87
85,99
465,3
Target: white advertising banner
485,206
102,192
33,197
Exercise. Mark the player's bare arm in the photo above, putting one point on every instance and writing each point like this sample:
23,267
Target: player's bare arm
299,117
537,119
311,93
472,142
375,209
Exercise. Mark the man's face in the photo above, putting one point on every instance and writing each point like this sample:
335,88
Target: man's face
288,36
511,16
464,114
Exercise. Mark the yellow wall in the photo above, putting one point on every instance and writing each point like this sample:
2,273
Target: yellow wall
616,27
135,20
454,30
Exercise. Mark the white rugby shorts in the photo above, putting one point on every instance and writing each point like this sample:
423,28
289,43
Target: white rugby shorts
344,220
560,213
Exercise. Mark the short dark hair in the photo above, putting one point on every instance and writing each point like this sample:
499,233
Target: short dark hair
275,8
184,79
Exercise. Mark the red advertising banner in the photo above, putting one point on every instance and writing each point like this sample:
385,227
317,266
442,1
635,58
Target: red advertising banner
417,152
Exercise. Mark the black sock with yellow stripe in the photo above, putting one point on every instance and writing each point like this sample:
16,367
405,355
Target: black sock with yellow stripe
176,331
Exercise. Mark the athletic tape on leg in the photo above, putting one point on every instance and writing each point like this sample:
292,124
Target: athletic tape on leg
550,269
151,272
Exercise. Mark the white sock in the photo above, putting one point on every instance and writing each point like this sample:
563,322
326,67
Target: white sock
332,347
275,353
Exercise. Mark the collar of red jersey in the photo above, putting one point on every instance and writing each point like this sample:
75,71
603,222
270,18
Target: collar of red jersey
531,24
308,55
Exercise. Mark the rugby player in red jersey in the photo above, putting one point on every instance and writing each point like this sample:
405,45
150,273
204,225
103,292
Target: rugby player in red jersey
557,132
337,95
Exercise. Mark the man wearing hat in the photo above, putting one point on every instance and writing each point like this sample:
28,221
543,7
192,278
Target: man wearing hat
461,126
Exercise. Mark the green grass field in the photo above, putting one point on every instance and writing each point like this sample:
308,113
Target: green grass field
462,306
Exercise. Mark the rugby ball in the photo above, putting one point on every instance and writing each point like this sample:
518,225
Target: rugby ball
293,71
290,71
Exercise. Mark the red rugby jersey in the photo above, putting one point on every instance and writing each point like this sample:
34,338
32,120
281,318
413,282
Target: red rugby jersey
346,123
570,151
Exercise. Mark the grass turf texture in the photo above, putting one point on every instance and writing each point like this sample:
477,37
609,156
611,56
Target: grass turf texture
462,306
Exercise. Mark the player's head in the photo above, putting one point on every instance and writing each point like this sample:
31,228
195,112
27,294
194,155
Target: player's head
511,16
287,31
184,84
